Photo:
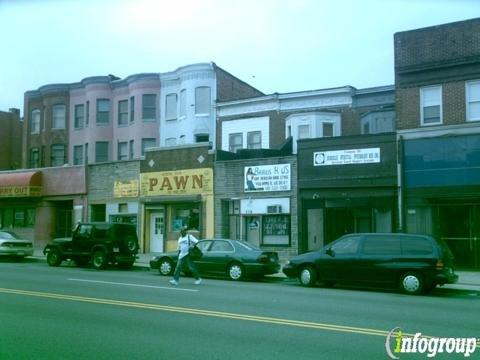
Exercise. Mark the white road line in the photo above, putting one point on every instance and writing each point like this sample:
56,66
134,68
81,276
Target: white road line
136,285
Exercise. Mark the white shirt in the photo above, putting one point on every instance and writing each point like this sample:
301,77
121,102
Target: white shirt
183,244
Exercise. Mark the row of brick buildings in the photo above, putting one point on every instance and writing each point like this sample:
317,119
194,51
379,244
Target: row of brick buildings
289,172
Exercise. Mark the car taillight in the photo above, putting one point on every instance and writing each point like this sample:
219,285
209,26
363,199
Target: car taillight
440,265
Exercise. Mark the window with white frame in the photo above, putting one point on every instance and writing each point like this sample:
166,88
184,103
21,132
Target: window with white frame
101,151
79,116
59,116
57,155
327,129
122,150
131,150
34,158
148,143
171,107
132,109
254,140
303,131
78,155
103,111
183,103
35,122
170,141
473,100
202,100
431,105
123,112
199,138
235,142
149,107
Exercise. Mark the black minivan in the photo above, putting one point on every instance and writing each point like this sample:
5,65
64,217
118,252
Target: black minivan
414,263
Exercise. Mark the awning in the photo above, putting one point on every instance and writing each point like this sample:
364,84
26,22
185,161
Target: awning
21,184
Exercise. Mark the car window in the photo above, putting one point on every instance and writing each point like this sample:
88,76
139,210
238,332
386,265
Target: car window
85,230
7,236
220,245
346,246
204,245
416,246
246,245
381,245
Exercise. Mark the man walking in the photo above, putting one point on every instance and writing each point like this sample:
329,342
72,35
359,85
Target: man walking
184,242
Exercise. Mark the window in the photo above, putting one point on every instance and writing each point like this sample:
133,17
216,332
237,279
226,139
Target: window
132,109
86,153
35,122
303,131
254,140
123,112
381,245
131,152
101,151
20,217
170,142
366,128
235,142
103,111
34,158
87,115
59,117
78,155
148,143
149,110
98,212
183,103
431,105
186,214
171,107
327,129
57,155
221,246
202,100
473,100
122,151
416,246
346,246
79,116
123,208
199,138
181,140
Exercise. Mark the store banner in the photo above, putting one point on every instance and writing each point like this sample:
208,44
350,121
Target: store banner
123,189
346,157
267,178
178,182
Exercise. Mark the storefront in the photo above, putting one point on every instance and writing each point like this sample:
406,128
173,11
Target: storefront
176,191
346,184
255,201
441,180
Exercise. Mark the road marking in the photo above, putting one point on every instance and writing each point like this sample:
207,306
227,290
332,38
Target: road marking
136,285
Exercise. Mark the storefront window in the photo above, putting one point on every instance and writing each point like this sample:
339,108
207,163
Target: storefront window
20,217
185,215
276,230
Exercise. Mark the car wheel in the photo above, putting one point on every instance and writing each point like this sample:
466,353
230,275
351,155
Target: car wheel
235,271
411,283
54,258
307,276
99,260
165,267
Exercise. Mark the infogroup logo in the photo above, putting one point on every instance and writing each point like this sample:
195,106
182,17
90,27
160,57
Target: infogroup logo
403,344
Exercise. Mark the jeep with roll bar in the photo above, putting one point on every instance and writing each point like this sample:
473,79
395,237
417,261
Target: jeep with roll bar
97,242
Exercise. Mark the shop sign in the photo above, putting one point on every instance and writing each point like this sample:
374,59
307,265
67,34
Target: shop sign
346,157
278,225
123,189
267,178
20,191
178,182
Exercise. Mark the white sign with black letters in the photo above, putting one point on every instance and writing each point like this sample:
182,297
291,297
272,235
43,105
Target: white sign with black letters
346,157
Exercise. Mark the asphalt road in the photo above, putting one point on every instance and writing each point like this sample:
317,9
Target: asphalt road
80,313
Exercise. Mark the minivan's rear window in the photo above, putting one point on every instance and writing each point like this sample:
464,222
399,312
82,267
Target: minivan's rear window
416,246
381,245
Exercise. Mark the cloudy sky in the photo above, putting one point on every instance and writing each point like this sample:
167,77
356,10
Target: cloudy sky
275,45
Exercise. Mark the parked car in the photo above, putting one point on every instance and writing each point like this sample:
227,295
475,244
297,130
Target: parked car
100,243
13,245
415,263
224,257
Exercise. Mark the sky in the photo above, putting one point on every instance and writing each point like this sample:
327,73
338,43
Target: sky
274,45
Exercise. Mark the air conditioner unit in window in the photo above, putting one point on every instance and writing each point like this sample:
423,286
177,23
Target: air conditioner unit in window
274,209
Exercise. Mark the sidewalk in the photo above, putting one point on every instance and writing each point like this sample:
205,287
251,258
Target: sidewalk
467,280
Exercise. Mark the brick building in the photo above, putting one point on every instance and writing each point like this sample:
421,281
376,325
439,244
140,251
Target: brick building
11,144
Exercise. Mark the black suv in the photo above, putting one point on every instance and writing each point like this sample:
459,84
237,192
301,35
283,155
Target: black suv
100,243
415,263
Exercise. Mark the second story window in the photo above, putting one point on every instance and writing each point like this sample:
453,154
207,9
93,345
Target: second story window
170,141
303,132
148,143
254,140
171,107
58,117
431,105
78,155
57,155
149,108
34,158
122,151
103,111
131,150
327,129
132,109
79,116
473,100
183,103
123,112
202,100
101,151
35,122
235,142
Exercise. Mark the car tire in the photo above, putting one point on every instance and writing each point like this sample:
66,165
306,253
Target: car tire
54,258
235,271
99,259
307,276
165,267
411,283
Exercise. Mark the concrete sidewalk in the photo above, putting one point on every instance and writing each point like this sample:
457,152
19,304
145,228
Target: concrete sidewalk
467,280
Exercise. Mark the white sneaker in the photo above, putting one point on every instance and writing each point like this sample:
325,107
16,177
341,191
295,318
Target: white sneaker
198,282
174,282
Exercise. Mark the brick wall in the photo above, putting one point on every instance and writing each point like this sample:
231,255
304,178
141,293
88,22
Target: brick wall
11,144
231,88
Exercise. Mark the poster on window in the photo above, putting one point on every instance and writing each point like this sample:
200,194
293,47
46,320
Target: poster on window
267,178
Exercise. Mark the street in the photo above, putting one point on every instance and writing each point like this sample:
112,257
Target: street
81,313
